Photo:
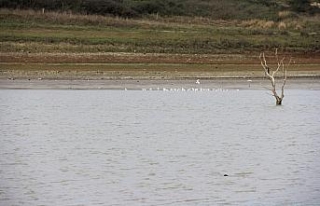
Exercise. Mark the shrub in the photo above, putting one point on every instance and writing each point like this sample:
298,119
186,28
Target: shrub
303,6
216,9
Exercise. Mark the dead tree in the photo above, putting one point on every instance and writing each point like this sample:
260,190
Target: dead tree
271,75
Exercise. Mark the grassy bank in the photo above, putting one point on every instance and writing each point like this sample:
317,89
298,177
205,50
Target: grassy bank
62,43
226,9
31,31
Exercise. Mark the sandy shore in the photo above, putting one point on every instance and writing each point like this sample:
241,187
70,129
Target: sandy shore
175,85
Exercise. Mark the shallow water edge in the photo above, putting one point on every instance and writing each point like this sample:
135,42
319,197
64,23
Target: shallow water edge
228,83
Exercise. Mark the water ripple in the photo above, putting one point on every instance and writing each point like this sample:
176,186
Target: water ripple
158,148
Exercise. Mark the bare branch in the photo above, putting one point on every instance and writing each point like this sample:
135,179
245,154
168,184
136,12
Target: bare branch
280,65
290,61
264,58
283,84
263,62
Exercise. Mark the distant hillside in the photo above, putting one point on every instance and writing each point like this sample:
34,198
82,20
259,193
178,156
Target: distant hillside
215,9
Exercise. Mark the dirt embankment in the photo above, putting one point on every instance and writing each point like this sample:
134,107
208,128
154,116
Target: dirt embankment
118,57
143,66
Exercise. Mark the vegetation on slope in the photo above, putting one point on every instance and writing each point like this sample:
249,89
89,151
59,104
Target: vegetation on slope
215,9
32,31
203,38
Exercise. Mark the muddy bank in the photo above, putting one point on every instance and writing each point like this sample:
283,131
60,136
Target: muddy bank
139,66
140,71
161,85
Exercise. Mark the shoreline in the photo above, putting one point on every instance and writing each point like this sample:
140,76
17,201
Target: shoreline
148,66
144,71
157,85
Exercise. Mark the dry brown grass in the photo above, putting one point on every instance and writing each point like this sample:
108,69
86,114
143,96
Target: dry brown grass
282,26
255,23
287,15
148,21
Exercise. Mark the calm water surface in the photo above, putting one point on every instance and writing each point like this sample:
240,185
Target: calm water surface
103,147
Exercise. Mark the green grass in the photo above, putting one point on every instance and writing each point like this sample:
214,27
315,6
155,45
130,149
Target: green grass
215,9
29,31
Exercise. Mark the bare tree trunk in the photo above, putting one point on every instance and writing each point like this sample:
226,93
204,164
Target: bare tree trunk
271,76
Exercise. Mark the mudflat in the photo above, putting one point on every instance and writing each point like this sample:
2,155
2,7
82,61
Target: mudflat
159,85
148,66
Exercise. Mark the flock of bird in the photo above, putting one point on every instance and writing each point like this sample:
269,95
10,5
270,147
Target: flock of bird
181,89
192,89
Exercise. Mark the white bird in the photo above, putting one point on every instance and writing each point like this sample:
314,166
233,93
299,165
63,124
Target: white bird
198,81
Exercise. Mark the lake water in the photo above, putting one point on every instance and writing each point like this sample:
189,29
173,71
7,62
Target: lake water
114,147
